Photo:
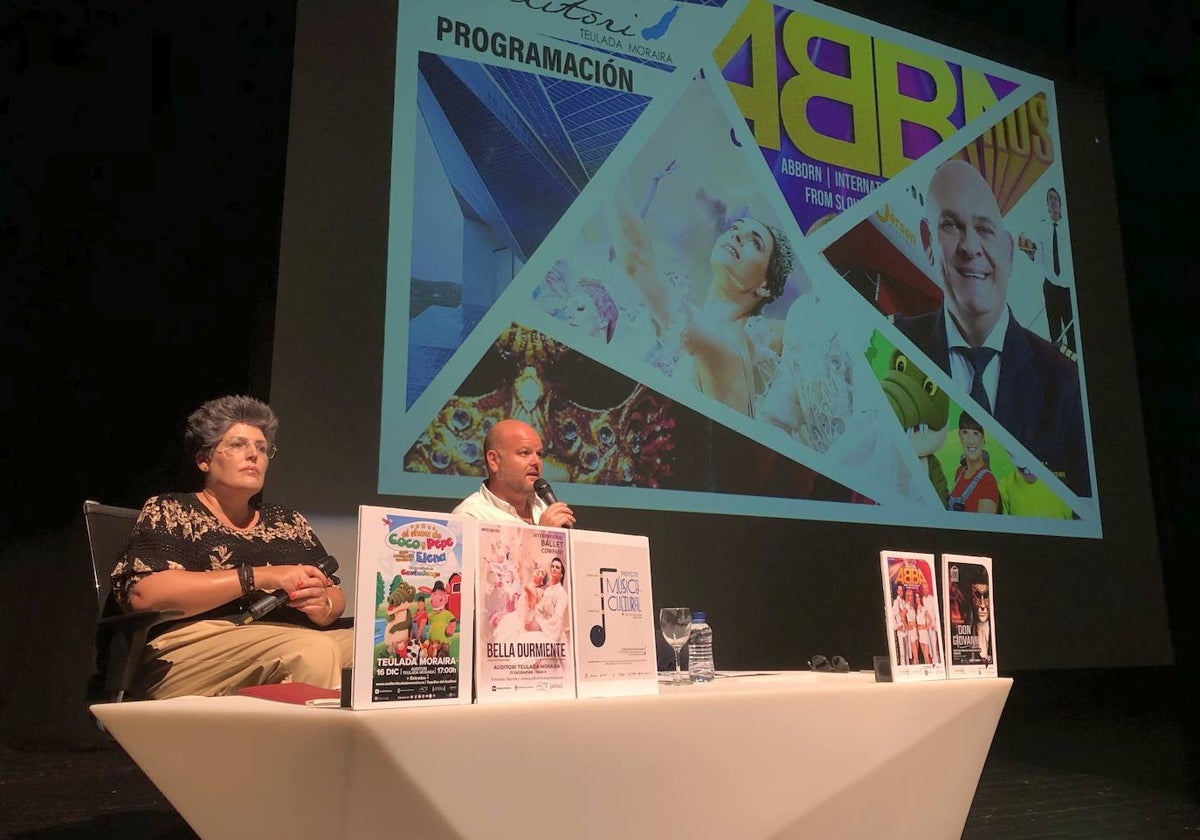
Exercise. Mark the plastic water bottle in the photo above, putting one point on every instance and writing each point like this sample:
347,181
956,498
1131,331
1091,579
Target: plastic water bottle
700,657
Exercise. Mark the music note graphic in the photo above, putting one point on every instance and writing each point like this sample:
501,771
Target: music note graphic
599,632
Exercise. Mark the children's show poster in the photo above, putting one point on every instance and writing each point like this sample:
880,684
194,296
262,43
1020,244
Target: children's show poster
971,615
682,237
523,625
413,617
614,618
910,601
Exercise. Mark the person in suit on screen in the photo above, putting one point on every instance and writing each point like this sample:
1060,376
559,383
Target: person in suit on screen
1047,248
1017,376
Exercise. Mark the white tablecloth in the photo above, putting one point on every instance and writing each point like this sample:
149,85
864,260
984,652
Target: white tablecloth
748,756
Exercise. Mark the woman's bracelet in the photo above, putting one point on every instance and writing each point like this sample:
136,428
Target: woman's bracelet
246,579
328,608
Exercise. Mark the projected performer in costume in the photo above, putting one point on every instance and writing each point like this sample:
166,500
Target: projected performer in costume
591,307
1023,494
213,553
723,345
1017,376
585,304
513,451
975,488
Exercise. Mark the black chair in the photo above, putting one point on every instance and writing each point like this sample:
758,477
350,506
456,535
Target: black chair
120,636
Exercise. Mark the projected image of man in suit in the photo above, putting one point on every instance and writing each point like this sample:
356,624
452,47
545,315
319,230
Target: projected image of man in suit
1017,376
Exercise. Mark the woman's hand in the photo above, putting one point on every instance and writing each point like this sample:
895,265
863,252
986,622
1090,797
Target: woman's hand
558,515
309,590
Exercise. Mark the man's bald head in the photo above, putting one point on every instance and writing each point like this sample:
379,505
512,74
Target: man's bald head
513,450
965,238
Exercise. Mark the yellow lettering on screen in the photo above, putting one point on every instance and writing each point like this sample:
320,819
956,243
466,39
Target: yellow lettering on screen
1016,128
1039,125
1010,155
978,96
858,92
895,108
759,100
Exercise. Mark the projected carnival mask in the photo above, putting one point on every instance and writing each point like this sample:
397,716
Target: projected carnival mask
626,440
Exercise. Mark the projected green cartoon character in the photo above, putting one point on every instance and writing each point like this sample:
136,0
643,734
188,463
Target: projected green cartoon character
923,410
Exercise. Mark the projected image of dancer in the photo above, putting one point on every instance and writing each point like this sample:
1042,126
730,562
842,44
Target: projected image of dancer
585,304
721,345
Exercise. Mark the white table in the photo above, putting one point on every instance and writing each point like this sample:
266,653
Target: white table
751,756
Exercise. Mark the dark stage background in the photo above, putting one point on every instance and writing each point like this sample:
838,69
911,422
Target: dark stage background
141,206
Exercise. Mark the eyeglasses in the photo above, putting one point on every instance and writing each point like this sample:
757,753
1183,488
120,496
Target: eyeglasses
837,665
238,446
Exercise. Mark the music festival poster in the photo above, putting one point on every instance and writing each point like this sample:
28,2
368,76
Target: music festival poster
613,612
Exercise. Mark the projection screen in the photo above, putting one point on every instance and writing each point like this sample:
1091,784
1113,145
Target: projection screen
735,261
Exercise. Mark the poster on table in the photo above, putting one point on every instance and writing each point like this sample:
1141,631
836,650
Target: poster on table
413,617
970,615
910,606
612,614
523,624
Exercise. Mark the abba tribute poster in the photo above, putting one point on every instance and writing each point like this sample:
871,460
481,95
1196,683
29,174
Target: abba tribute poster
910,605
763,232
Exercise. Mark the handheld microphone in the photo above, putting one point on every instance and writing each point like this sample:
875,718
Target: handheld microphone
327,565
546,493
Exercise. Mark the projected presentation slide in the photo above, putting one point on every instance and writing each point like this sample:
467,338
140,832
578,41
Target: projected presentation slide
734,258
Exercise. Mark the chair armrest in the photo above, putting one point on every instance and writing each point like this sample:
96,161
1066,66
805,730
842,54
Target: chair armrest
121,639
131,622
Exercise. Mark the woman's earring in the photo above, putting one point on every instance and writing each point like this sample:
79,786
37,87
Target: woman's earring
761,291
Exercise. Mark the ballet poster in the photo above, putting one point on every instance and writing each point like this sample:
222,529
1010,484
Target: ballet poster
613,614
910,604
413,617
970,609
523,649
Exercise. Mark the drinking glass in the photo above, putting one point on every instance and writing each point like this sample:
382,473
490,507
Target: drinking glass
676,625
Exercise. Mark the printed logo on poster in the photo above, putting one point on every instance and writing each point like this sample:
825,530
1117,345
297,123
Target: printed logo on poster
420,543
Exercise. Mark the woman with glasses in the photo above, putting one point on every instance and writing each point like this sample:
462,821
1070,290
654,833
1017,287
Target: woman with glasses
213,553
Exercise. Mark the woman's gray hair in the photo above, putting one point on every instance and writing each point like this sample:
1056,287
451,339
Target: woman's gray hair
208,424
